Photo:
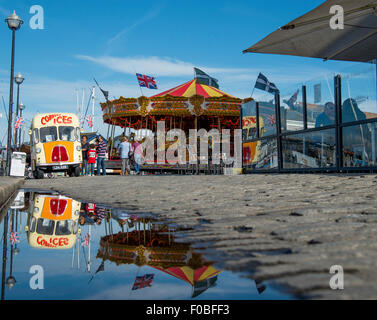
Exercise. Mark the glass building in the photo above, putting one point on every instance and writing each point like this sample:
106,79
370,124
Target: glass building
325,125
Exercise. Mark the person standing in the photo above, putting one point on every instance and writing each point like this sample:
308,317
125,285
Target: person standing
84,149
101,155
124,150
138,155
4,154
92,154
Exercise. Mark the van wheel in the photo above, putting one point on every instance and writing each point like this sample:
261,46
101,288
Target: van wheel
77,171
38,174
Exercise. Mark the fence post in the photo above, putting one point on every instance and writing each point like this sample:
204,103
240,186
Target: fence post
338,121
278,131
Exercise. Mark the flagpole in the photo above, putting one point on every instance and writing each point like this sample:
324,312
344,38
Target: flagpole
89,248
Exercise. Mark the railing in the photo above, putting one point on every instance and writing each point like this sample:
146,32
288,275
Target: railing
324,125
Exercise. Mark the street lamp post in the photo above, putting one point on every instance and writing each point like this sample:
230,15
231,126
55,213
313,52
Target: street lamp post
18,79
22,107
14,23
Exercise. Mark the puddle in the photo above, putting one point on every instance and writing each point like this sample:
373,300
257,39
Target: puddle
77,250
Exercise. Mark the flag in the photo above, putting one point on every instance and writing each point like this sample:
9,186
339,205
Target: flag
291,102
19,122
142,282
262,83
146,81
14,237
201,286
100,268
89,120
271,120
85,242
104,92
203,78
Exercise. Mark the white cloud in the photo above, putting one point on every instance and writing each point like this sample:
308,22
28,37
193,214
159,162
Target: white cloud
155,66
148,16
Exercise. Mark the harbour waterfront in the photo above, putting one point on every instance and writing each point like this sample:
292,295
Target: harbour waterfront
288,228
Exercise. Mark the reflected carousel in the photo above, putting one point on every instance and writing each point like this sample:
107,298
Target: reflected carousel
152,244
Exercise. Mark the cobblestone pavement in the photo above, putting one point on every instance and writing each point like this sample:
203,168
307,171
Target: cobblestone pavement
287,228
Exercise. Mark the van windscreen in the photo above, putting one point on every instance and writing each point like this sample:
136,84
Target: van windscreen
67,133
48,134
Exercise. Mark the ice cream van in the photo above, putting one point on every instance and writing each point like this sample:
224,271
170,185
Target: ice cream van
53,222
55,144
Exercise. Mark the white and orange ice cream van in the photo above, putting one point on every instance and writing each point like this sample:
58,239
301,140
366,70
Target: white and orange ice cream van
55,144
53,222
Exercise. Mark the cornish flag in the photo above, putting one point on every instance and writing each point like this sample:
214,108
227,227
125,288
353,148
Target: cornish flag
146,81
262,83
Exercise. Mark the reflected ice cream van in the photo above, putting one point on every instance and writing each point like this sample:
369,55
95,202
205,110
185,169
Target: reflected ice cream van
53,222
55,144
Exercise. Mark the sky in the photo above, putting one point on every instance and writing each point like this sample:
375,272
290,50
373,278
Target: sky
112,40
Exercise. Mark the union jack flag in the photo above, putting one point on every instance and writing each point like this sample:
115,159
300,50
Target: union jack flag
271,120
143,282
89,120
146,81
14,237
85,242
19,122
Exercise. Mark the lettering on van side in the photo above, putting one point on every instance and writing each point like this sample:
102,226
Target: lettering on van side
54,242
56,119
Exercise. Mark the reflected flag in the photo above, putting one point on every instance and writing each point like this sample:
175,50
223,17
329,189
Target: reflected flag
85,242
146,81
271,120
144,281
14,237
19,122
89,120
292,101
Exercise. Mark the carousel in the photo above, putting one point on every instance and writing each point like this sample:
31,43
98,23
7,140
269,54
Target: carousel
188,106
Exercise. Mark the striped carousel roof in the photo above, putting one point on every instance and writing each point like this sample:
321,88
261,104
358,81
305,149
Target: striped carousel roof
191,88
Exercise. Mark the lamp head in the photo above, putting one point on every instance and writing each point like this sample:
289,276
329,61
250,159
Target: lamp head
19,78
21,106
14,21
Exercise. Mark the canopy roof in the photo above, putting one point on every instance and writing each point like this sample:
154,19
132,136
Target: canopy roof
189,274
311,36
191,88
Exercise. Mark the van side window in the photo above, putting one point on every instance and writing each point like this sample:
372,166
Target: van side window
35,135
32,224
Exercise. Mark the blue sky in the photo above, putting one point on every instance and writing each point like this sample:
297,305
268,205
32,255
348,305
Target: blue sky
166,38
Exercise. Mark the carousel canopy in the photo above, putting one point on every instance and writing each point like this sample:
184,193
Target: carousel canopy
191,88
186,100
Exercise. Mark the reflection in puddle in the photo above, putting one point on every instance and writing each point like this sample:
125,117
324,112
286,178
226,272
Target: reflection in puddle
89,251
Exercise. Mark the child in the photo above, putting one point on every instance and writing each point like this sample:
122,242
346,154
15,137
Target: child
92,155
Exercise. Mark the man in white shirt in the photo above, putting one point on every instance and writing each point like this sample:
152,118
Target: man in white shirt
124,149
